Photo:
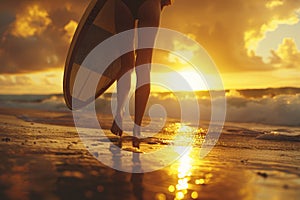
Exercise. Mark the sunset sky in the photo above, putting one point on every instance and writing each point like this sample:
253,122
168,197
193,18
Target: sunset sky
255,44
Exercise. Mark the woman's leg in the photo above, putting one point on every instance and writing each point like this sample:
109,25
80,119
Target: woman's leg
149,16
124,21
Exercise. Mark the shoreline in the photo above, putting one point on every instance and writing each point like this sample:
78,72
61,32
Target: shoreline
51,162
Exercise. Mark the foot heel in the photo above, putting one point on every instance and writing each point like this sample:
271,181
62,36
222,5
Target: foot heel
115,129
136,142
136,134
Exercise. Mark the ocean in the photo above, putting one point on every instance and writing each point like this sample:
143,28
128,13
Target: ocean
256,156
277,110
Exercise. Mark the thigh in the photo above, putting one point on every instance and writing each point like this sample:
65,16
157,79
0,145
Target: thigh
149,13
125,21
123,17
148,16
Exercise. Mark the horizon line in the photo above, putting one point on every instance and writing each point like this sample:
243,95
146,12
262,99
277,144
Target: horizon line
179,91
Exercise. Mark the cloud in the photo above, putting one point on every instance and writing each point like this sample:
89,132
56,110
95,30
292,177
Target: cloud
8,81
23,80
70,29
5,19
32,83
274,3
230,30
253,36
287,55
35,35
32,21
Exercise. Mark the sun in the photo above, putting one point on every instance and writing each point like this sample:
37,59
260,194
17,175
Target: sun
180,80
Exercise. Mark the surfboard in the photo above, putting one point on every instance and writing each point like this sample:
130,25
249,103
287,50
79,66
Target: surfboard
96,25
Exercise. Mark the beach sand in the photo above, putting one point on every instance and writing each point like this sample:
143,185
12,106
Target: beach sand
43,157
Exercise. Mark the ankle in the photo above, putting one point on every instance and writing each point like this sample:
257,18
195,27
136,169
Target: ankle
136,130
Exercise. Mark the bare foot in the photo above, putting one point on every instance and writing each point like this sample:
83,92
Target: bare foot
136,142
136,135
115,129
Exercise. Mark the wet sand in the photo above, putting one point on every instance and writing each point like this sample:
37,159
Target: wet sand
48,161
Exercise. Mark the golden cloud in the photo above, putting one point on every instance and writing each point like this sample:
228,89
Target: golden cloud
287,55
13,80
70,29
231,30
34,20
38,35
38,82
253,36
274,3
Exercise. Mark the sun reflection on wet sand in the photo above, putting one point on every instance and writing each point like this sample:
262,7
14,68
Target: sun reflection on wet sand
49,162
183,170
183,167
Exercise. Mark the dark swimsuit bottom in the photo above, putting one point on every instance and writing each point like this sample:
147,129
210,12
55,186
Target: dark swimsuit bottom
134,6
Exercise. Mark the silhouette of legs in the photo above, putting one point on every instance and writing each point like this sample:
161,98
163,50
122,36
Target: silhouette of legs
148,16
124,21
